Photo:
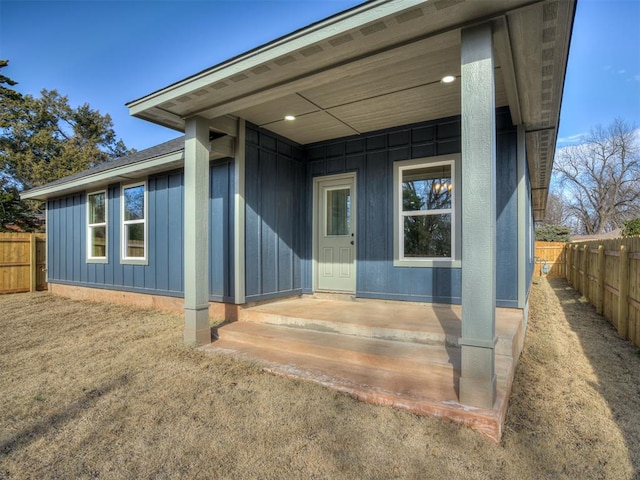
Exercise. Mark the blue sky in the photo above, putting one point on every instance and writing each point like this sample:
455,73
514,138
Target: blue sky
603,75
107,53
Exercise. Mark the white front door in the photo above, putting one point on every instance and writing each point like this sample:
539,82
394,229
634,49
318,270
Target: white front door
335,207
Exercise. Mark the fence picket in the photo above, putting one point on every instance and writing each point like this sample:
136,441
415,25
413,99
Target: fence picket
22,262
607,274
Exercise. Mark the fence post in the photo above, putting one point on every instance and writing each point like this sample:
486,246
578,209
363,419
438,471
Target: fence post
575,275
574,261
585,277
570,267
576,270
600,274
567,265
623,291
33,263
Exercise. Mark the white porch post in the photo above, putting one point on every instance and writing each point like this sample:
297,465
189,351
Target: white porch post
478,379
196,232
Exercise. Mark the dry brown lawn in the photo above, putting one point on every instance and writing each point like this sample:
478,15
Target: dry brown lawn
103,391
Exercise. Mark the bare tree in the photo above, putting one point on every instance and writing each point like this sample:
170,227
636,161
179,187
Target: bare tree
600,179
556,212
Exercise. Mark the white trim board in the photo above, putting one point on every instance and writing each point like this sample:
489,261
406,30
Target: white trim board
89,258
125,173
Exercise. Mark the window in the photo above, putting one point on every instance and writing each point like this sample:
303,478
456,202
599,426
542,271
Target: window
97,227
134,227
425,212
338,211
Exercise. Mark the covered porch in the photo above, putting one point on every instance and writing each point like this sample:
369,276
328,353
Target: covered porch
359,76
400,354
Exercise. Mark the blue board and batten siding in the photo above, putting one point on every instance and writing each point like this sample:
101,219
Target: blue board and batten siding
279,178
274,198
164,273
221,233
67,235
372,156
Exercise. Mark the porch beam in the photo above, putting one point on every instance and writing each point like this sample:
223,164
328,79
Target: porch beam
478,379
225,124
502,39
222,147
196,232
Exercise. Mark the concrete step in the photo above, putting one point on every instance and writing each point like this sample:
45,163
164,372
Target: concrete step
362,319
434,384
333,296
428,324
377,353
373,353
423,379
400,354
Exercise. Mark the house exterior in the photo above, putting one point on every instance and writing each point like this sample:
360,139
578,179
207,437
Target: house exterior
400,150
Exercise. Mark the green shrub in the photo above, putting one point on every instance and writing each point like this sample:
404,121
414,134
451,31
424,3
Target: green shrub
553,233
631,228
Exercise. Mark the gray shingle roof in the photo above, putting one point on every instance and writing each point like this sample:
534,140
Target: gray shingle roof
175,145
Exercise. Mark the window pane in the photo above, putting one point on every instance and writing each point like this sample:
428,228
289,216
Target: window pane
134,203
427,236
98,241
96,208
426,188
339,212
135,240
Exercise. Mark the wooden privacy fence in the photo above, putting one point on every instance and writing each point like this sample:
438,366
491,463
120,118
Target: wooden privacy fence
22,262
607,273
550,259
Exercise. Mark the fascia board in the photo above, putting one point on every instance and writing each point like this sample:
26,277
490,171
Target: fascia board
103,177
319,32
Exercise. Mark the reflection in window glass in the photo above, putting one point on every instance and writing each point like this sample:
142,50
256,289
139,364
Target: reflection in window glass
134,203
339,212
135,240
427,188
98,242
427,236
96,208
133,223
97,226
426,211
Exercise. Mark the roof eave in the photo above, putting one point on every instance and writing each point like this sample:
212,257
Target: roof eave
540,206
105,177
330,27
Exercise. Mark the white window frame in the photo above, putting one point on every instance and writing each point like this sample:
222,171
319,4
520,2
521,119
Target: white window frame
91,226
398,215
123,231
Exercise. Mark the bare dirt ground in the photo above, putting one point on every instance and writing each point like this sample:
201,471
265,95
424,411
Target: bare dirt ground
103,391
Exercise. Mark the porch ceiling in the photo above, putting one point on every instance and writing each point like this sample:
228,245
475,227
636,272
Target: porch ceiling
380,65
402,88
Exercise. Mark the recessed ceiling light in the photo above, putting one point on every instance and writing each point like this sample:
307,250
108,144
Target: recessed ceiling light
289,118
448,79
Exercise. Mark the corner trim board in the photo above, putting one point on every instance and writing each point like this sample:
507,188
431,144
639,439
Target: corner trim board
521,154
